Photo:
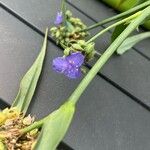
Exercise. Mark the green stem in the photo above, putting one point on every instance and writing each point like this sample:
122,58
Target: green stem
35,125
62,5
114,25
63,10
107,54
124,14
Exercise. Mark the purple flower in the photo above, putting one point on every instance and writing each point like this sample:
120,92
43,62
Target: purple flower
59,18
69,65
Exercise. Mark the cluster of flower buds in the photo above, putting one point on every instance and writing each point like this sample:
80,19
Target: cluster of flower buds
11,121
87,49
67,28
8,114
76,50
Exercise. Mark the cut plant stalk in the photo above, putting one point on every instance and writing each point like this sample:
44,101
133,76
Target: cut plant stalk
120,16
29,82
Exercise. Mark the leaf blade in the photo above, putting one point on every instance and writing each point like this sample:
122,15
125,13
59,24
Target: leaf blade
131,41
55,127
29,81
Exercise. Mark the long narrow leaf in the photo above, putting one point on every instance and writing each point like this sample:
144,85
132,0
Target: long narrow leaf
29,82
55,127
131,41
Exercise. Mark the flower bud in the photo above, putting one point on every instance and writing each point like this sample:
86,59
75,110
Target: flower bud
2,118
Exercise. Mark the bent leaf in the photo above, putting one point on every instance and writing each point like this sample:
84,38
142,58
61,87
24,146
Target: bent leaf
131,41
29,82
55,127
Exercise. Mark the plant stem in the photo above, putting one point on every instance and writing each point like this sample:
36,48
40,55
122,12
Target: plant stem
35,125
114,25
107,54
124,14
63,5
63,10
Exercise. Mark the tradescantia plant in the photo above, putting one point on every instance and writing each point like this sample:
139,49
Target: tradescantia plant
132,19
21,131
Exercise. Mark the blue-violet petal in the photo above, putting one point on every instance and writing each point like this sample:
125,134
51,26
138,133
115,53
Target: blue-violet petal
73,72
76,59
60,64
59,18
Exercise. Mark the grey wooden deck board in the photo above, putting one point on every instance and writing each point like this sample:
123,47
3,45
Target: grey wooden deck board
99,11
116,122
130,71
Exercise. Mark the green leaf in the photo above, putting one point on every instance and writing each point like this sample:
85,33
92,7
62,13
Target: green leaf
29,82
55,127
117,31
131,41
